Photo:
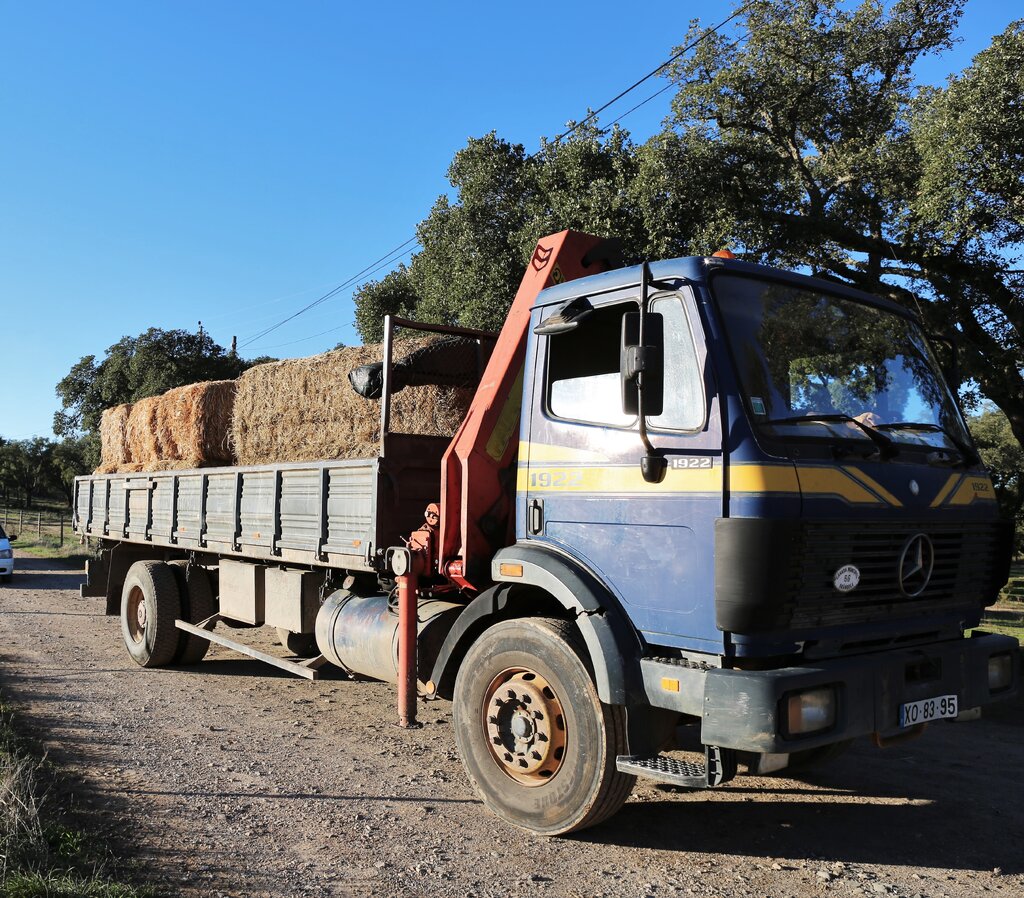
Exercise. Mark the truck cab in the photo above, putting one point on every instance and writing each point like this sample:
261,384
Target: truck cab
820,536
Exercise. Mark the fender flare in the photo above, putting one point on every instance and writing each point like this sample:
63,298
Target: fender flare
612,642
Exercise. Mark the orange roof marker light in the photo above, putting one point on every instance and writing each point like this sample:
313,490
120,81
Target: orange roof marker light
723,254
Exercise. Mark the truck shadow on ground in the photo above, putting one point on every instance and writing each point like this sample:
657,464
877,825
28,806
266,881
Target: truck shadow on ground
941,801
45,573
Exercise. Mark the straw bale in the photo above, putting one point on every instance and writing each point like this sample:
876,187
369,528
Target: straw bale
143,441
306,410
192,425
114,439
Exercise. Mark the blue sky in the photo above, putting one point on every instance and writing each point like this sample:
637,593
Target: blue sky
163,163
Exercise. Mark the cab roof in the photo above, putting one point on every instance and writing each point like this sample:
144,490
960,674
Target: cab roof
700,269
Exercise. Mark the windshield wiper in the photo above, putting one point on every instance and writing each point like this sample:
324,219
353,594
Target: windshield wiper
969,455
886,447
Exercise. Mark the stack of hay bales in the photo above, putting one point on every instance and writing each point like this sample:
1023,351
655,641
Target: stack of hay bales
306,410
184,428
291,411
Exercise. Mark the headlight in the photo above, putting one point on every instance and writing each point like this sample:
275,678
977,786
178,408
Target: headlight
6,553
1000,672
810,711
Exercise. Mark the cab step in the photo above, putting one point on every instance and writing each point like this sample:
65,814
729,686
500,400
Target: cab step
719,767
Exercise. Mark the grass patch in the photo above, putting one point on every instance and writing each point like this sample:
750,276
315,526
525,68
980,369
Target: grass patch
1014,628
49,547
38,857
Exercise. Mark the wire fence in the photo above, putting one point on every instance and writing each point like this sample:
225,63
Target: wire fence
27,523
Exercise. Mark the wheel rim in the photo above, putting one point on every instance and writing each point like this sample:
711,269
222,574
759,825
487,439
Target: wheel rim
525,726
136,614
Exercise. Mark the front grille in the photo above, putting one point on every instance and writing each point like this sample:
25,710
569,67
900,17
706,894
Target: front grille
966,557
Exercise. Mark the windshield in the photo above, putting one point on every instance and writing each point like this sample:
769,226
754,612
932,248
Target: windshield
802,354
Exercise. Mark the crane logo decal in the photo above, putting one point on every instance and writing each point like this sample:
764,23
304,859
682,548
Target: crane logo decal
541,257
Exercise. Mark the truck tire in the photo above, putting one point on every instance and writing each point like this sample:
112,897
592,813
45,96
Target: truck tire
536,740
302,645
197,604
150,603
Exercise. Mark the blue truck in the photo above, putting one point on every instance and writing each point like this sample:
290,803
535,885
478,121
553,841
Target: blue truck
698,491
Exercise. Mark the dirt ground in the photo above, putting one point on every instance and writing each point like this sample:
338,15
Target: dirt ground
231,778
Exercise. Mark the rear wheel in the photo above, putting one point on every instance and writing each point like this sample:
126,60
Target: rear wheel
197,604
150,603
535,738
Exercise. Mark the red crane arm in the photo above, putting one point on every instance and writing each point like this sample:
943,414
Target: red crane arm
477,471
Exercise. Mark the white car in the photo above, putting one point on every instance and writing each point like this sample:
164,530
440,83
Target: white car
6,556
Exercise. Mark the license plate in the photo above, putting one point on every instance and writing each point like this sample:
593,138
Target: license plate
942,706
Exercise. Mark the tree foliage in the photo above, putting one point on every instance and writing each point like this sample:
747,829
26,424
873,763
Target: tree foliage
38,467
475,249
137,367
1004,457
25,466
806,143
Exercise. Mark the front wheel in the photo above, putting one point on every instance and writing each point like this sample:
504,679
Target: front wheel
535,738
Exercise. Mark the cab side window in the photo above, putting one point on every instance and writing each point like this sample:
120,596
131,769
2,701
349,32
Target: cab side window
684,407
583,370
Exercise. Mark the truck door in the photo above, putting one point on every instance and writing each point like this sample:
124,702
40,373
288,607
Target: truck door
652,544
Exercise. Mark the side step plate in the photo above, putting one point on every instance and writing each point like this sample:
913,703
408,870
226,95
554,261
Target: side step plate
719,767
308,669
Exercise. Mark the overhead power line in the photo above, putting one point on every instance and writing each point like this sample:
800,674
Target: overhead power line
386,258
704,35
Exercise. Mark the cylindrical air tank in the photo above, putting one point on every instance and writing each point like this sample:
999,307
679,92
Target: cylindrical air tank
359,634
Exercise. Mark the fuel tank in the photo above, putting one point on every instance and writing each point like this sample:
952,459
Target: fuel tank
359,634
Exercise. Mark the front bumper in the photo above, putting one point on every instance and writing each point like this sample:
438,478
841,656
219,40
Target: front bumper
6,566
745,709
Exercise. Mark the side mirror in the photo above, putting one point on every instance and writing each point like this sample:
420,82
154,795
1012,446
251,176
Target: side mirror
11,537
642,367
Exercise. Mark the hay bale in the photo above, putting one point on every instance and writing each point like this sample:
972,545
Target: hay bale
192,425
114,439
306,410
141,433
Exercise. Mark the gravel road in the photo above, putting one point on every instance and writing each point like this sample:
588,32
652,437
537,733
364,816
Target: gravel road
231,778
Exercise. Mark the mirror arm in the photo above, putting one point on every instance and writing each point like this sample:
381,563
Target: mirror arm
653,465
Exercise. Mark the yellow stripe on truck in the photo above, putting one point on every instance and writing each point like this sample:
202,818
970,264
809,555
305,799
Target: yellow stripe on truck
623,479
973,489
947,488
541,452
874,486
831,481
763,479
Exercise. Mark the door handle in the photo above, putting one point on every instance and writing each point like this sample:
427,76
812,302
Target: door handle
535,517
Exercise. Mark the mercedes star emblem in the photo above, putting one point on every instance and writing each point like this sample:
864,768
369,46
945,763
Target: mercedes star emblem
916,563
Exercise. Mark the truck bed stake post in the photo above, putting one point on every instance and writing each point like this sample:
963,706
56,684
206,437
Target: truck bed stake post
407,588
